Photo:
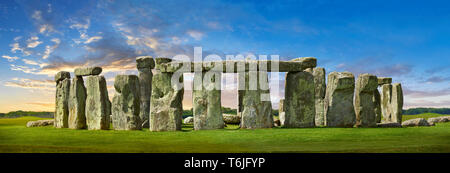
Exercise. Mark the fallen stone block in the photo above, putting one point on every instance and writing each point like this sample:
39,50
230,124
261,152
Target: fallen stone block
231,119
188,120
416,122
40,123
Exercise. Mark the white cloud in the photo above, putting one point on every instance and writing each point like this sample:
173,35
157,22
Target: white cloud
15,47
30,62
33,42
92,39
50,49
197,35
9,58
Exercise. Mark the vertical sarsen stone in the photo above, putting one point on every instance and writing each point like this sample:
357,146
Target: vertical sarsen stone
77,104
61,118
299,103
126,103
339,109
365,108
206,101
166,107
255,99
98,106
145,64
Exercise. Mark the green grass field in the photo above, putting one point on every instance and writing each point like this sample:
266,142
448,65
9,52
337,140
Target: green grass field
15,137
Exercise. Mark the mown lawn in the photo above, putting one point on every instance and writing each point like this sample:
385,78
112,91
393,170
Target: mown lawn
15,137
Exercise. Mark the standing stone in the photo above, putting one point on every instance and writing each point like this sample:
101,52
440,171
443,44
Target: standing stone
256,105
281,113
98,106
365,108
62,80
166,107
386,96
377,102
126,103
145,64
320,88
339,109
77,104
397,103
207,101
299,104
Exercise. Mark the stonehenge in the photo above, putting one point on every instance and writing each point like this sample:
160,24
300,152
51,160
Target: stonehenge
206,101
391,100
98,106
365,108
166,107
339,109
145,64
62,80
320,88
256,106
77,104
126,103
299,96
153,100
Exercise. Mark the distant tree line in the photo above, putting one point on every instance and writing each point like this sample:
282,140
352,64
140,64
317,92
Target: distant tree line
415,111
20,113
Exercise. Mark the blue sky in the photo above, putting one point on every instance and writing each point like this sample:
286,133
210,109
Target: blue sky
406,40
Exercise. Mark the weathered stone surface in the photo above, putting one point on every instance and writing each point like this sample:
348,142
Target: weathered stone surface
188,120
320,88
145,62
231,119
166,101
392,102
235,66
281,106
206,101
396,103
438,119
415,122
377,102
309,62
384,80
98,106
145,81
256,105
77,104
299,102
386,96
389,125
282,117
62,103
61,76
88,71
339,109
126,103
40,123
365,108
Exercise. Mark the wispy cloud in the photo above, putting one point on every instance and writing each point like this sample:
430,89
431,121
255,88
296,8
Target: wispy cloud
10,58
31,84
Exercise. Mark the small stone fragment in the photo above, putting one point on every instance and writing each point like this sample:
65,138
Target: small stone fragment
188,120
231,119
